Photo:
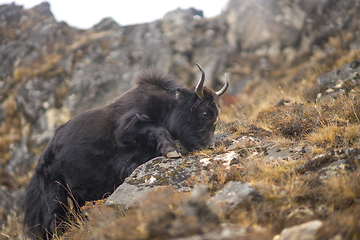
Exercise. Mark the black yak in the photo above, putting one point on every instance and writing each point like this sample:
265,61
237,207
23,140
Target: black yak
92,154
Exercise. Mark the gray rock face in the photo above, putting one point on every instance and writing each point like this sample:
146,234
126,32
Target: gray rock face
110,62
254,23
179,28
36,96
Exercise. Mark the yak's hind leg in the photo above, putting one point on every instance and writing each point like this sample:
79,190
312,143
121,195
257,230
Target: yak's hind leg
34,210
45,207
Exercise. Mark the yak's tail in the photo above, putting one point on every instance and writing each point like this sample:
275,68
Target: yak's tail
36,218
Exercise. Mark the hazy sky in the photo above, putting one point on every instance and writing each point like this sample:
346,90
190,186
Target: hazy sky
86,13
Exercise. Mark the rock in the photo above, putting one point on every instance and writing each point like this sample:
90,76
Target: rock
43,9
231,196
332,162
105,25
126,195
290,152
160,171
191,217
10,15
195,216
255,23
36,96
305,231
339,81
157,172
179,28
106,68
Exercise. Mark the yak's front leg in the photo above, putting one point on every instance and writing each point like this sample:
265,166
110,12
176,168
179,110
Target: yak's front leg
164,141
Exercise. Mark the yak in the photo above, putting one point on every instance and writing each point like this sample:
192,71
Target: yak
92,154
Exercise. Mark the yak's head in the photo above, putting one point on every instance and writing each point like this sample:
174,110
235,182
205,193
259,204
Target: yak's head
195,115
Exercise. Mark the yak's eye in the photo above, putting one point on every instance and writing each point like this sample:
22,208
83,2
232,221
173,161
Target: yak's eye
205,114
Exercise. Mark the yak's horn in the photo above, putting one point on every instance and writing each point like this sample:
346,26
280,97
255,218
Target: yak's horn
199,87
224,88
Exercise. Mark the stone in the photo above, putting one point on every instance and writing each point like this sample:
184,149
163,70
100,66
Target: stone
126,195
345,78
195,216
231,196
305,231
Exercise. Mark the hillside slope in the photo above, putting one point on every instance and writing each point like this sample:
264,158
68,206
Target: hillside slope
289,130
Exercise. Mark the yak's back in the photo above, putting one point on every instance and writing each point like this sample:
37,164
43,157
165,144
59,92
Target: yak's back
156,78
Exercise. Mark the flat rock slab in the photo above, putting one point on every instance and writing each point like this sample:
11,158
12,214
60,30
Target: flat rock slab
160,171
163,171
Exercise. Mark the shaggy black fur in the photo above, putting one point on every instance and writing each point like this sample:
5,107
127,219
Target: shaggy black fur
92,154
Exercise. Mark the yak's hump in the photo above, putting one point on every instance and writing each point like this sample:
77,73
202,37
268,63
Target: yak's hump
157,78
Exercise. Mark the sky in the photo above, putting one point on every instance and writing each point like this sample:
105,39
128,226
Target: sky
84,14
